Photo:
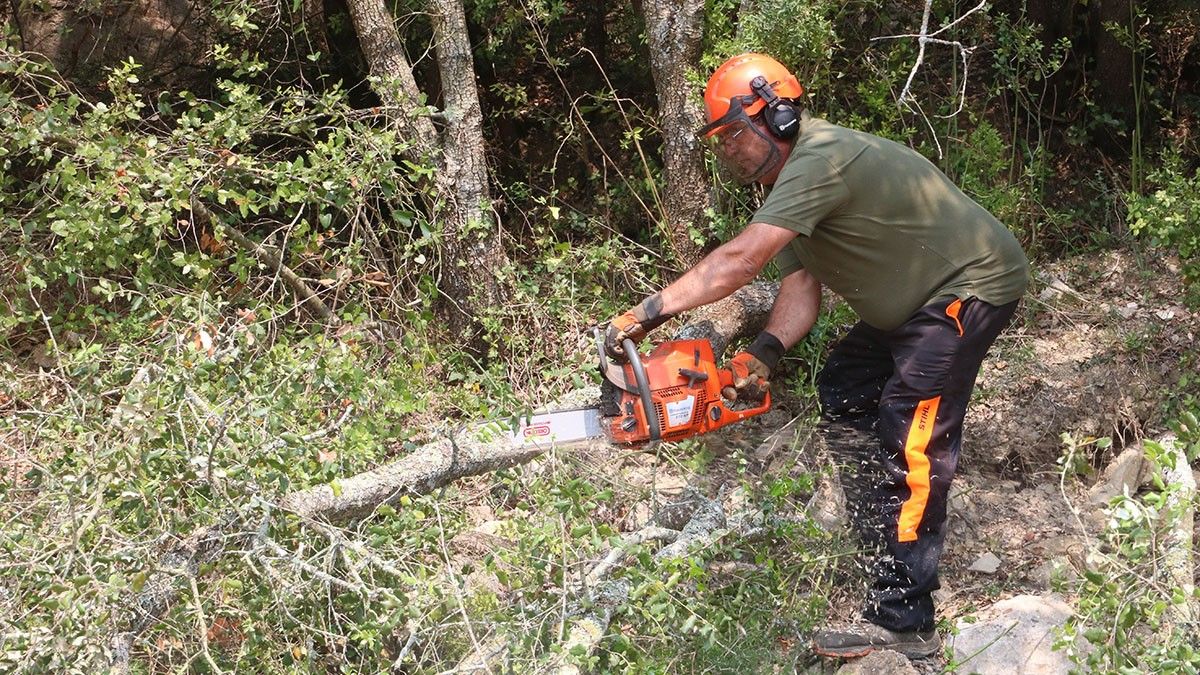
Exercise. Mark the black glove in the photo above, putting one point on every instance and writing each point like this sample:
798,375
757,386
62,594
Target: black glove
634,324
752,368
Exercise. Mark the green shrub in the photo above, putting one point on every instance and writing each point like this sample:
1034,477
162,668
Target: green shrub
1126,594
1170,216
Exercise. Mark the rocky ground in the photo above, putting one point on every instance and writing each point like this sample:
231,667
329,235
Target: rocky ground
1098,346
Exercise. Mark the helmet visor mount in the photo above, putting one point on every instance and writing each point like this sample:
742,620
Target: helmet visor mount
741,145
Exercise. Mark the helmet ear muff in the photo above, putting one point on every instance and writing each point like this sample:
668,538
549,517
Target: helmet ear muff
781,116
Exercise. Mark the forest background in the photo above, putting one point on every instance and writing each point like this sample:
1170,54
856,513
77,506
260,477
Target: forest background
249,249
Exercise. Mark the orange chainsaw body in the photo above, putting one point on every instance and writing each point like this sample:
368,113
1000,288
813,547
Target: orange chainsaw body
684,394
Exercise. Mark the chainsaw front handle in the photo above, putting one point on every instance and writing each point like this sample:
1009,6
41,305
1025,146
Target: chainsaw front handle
643,385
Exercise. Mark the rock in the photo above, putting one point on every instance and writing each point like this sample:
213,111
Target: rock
1014,637
669,484
943,596
962,511
1126,472
1055,289
483,581
477,543
637,517
987,563
480,513
1052,572
884,662
492,528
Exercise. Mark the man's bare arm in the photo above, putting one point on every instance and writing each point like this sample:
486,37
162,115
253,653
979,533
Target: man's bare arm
796,308
729,267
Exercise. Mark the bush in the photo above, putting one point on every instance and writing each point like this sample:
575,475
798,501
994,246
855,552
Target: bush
1127,592
1170,216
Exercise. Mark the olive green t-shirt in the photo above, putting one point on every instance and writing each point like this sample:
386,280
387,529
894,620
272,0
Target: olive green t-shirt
881,226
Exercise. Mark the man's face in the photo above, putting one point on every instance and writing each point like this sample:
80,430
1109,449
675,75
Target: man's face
746,149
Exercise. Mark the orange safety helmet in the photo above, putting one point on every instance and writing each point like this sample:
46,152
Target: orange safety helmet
749,92
733,82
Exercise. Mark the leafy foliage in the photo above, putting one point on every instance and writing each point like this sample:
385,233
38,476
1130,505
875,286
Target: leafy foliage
1170,216
1127,593
157,376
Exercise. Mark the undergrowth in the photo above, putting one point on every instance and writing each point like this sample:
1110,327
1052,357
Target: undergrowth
159,376
1137,588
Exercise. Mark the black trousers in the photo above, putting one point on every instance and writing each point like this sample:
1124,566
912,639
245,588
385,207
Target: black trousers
892,414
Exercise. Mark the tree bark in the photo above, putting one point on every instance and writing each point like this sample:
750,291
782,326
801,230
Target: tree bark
674,29
395,83
1114,60
313,20
82,40
740,315
430,467
470,227
461,203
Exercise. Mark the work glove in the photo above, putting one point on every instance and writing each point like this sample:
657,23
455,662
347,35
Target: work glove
633,325
752,369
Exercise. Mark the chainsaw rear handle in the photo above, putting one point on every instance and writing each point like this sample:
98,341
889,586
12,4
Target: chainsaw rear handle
616,374
672,393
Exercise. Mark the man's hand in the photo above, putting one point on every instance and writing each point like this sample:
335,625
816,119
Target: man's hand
750,378
752,369
634,324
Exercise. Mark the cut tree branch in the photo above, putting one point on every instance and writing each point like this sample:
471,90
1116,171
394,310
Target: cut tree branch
925,38
1178,544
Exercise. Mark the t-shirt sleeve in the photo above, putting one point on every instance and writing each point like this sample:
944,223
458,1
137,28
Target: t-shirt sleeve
808,189
787,261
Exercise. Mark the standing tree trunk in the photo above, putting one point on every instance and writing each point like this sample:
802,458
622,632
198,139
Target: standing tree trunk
674,29
461,201
472,233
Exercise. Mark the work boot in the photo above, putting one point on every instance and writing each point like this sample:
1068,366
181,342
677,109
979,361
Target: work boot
862,638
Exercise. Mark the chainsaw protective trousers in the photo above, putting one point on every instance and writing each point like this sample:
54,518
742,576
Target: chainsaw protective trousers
893,404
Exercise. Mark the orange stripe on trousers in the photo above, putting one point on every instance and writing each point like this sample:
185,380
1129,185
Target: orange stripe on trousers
919,434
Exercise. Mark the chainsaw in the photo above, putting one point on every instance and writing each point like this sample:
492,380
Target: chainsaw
670,394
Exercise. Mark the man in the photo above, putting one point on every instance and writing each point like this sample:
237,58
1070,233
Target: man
933,277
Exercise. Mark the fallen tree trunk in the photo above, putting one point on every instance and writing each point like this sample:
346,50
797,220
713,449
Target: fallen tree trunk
171,572
740,315
430,467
